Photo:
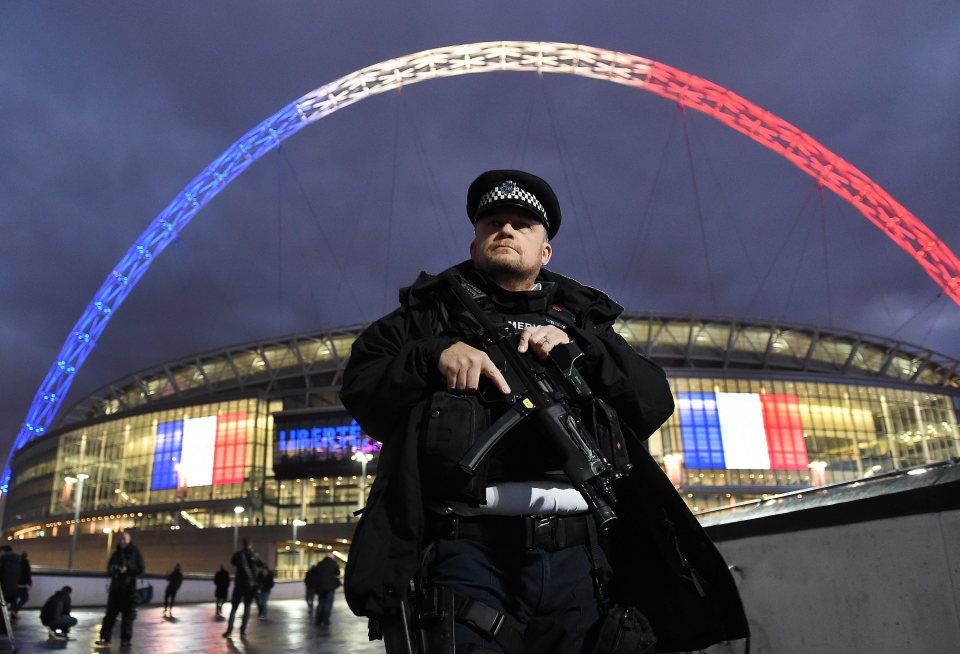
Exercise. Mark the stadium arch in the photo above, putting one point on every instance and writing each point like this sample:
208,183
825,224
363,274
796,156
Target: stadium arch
830,171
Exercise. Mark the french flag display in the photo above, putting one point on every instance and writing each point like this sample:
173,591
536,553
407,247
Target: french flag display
742,431
205,451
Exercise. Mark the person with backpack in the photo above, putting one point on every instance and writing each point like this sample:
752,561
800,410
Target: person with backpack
55,614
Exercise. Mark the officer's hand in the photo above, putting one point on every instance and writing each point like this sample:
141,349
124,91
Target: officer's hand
461,365
541,339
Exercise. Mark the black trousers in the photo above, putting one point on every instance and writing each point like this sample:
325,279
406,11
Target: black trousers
169,597
119,602
547,596
244,595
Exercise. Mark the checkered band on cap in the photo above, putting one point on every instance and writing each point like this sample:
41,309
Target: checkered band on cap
511,191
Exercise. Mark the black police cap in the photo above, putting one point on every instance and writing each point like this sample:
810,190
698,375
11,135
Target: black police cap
515,188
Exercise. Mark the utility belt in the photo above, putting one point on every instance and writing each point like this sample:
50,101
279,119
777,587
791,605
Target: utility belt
549,533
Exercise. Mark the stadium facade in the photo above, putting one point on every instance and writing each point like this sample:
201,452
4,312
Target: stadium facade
254,436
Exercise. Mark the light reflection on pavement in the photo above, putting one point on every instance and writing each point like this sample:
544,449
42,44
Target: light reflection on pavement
195,629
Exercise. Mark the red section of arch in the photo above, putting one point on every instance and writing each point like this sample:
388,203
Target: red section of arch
844,179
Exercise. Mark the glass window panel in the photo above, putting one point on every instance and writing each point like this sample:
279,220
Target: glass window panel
341,345
792,343
832,352
279,357
635,332
187,377
752,343
231,449
218,370
700,430
248,363
167,455
869,358
784,427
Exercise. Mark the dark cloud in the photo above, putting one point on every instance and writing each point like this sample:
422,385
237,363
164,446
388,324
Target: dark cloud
109,109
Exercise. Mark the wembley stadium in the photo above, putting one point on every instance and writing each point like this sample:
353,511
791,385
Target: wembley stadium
252,439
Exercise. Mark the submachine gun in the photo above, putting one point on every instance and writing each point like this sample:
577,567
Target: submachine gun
549,392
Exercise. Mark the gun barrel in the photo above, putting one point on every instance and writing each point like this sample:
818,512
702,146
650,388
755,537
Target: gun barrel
602,512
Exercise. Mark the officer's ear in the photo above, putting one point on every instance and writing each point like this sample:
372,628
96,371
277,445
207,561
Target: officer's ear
546,252
473,246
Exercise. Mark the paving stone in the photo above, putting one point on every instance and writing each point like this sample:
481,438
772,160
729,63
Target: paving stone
195,628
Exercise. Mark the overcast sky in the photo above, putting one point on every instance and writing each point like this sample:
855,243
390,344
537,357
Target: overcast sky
107,109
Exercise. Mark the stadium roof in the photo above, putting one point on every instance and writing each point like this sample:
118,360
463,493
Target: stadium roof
311,364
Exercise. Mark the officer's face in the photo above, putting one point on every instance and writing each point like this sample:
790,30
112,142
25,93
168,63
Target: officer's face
510,243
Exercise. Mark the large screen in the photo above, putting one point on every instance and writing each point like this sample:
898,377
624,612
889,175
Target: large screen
319,444
742,431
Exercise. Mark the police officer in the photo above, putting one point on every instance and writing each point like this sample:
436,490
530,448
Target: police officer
510,560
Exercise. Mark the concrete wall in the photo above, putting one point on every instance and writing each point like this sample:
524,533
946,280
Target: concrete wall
90,590
196,550
883,586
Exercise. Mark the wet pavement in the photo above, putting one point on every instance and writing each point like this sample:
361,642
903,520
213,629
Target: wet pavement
195,629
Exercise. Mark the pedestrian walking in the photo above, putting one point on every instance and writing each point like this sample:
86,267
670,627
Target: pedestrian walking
310,581
55,614
174,581
9,574
125,564
26,583
328,580
265,585
245,562
221,583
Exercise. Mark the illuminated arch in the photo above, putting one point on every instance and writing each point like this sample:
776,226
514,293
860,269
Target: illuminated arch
690,91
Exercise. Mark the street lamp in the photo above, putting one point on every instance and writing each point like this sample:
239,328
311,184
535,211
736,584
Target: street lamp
78,480
297,522
237,510
364,458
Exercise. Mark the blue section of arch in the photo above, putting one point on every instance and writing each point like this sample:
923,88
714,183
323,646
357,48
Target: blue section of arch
163,230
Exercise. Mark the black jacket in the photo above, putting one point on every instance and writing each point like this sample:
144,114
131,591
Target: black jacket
26,572
175,580
57,606
246,562
125,564
328,575
663,561
10,571
222,582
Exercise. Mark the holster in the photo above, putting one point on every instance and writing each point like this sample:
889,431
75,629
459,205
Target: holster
624,630
425,625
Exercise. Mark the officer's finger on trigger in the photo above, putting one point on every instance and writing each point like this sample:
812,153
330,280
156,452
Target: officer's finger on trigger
493,373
